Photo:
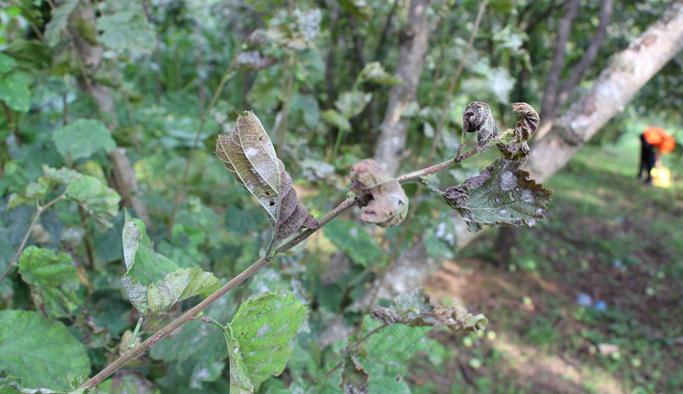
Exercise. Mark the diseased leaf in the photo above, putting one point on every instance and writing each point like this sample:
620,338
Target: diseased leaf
354,378
53,281
14,91
239,373
478,118
89,192
418,309
502,195
82,138
59,21
153,282
385,315
354,240
265,328
41,352
514,145
249,154
386,201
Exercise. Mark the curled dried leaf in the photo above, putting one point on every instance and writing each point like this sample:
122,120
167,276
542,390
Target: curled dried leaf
418,309
478,118
514,146
386,201
385,315
249,154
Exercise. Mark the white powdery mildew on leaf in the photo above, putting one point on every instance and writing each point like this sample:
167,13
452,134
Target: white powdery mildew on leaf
508,181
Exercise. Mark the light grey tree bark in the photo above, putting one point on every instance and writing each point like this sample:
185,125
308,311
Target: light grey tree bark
628,72
392,140
613,89
90,57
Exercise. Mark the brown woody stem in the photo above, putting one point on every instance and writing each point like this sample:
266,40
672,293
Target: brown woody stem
192,314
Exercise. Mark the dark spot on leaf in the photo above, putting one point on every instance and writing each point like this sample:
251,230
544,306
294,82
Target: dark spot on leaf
272,203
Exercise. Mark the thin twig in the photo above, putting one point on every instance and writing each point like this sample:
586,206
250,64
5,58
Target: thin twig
39,212
432,151
190,315
226,76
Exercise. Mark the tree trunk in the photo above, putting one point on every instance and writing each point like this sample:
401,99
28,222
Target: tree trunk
90,58
552,85
589,55
629,71
392,140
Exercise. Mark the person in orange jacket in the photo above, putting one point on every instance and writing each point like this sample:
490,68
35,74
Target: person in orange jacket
655,142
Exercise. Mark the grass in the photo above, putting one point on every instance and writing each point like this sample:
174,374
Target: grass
606,235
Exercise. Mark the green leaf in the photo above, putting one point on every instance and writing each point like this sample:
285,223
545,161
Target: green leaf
127,30
239,373
153,282
385,201
14,385
354,240
98,200
334,118
128,382
15,93
89,192
82,138
59,21
6,63
352,103
375,72
248,153
265,328
43,353
502,195
196,344
53,281
394,345
358,8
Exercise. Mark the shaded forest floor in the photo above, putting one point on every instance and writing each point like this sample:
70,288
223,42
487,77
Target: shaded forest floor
609,240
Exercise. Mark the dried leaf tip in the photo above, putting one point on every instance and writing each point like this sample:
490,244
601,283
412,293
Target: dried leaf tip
386,203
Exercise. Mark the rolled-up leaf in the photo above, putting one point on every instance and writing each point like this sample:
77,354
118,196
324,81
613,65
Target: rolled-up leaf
249,154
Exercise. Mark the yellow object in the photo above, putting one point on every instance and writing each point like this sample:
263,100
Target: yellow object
661,177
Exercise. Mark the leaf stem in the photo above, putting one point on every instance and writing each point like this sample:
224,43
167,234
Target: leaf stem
209,320
192,314
39,212
376,330
136,331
